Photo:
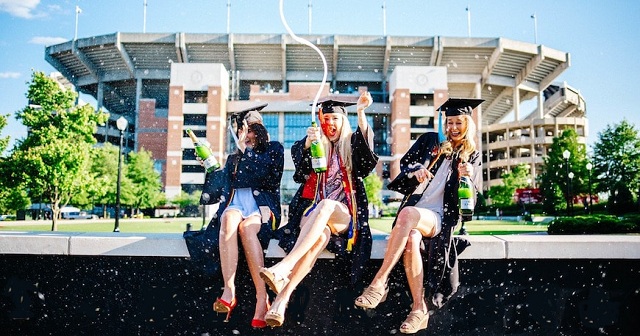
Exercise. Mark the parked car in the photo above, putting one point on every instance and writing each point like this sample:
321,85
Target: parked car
7,217
80,215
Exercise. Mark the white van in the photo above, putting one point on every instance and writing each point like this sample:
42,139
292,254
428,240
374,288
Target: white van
75,213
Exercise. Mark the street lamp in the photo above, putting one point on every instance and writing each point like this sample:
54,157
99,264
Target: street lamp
589,167
566,155
121,123
571,191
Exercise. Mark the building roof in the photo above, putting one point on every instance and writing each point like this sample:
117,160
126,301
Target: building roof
117,60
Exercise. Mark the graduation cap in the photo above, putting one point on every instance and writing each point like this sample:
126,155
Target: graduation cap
334,105
251,115
459,106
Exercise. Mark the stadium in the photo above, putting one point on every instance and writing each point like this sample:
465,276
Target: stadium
164,83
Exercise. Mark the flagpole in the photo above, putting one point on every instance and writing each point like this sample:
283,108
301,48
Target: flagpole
535,27
78,11
468,21
144,17
384,18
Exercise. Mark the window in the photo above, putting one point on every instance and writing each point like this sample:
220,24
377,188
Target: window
297,124
195,97
195,119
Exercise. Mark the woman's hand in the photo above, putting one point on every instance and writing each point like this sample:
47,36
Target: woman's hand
242,136
313,134
422,174
364,101
465,169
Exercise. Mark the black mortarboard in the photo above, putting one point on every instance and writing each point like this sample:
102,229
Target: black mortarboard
334,105
459,106
248,115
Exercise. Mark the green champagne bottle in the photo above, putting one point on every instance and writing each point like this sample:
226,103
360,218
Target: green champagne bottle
204,152
318,159
465,195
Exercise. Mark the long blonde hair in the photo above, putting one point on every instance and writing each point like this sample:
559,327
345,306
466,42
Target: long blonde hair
468,144
344,143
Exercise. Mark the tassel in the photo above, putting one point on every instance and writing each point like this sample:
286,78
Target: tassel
441,137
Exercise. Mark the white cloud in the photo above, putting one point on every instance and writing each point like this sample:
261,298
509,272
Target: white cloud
47,40
19,8
9,74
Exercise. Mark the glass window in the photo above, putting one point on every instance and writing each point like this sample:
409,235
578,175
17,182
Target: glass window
188,154
192,169
195,97
195,120
271,123
296,127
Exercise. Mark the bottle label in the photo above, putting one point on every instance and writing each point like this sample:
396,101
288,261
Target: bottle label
466,204
210,163
319,164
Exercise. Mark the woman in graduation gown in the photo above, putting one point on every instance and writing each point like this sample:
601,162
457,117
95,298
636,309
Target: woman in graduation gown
330,208
250,207
429,179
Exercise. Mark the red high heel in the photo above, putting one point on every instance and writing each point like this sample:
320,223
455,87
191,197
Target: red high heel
255,323
222,306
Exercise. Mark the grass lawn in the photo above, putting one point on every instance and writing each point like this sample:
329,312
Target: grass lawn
178,225
483,227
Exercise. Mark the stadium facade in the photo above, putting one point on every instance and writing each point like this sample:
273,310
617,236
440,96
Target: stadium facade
164,83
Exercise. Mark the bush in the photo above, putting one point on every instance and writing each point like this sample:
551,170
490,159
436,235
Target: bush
597,224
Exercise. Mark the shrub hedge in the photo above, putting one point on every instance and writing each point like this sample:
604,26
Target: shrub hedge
596,224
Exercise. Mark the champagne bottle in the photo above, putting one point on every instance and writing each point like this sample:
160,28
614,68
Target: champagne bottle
318,159
204,152
465,195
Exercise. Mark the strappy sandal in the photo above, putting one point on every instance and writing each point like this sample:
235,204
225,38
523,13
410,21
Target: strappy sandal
372,297
274,318
416,321
276,282
222,306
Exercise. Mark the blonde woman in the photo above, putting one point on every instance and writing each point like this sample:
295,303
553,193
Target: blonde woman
429,178
330,208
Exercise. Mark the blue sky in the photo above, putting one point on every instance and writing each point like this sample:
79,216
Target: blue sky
602,37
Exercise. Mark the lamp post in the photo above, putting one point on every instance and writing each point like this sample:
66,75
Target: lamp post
121,123
566,155
589,167
570,192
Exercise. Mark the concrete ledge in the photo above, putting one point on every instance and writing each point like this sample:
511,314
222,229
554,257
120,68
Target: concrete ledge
172,245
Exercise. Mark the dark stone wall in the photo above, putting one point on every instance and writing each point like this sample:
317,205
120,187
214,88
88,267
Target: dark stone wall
73,295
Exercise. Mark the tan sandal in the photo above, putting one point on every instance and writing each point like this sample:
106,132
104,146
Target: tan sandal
276,282
416,321
372,297
274,317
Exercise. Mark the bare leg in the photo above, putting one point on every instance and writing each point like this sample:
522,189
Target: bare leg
249,229
229,252
408,219
312,227
301,269
413,268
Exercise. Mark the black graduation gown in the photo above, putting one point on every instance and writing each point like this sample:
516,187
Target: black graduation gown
262,173
364,160
440,263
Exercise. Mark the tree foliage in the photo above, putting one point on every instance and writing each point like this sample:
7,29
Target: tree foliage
616,164
554,175
12,195
54,158
146,184
502,195
373,187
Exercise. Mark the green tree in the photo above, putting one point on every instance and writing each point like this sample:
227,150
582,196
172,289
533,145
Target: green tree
54,158
554,171
616,162
12,196
147,187
373,187
502,195
186,201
